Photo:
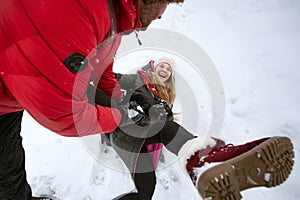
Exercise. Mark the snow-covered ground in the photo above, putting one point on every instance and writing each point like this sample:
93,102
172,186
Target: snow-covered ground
255,46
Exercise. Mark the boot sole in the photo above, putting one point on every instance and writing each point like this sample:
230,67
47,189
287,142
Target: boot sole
268,164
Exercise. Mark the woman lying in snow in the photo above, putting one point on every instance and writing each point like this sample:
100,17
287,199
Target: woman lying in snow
151,93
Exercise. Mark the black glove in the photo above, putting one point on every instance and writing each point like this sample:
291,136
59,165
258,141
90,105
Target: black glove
157,113
167,108
168,111
126,120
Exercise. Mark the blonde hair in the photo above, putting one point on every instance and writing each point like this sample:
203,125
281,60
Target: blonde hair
166,91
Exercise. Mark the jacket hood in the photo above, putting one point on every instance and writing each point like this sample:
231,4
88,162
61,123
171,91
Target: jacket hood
127,15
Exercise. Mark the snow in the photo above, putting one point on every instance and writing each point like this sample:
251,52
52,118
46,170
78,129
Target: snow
255,47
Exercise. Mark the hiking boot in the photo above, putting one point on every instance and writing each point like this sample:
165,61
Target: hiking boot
220,153
191,153
265,162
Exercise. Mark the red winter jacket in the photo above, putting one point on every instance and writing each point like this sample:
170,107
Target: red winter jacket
36,37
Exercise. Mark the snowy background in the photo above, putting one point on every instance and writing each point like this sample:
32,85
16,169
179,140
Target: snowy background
255,45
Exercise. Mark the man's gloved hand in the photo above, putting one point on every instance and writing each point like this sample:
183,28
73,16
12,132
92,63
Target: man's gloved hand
130,115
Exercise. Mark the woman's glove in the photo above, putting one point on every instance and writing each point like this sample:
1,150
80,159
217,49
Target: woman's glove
168,110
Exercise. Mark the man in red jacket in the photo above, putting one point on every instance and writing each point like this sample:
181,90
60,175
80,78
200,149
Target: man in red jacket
43,51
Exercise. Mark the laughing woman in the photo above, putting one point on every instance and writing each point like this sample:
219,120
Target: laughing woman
151,94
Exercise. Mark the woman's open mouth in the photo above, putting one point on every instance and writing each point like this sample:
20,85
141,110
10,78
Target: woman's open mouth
162,74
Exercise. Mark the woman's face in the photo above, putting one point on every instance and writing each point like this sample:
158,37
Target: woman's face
163,72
